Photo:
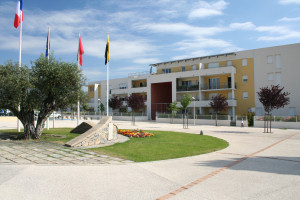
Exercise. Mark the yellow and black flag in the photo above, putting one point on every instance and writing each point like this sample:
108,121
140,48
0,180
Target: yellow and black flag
107,51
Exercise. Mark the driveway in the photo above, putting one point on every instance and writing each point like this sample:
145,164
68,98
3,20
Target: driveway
256,165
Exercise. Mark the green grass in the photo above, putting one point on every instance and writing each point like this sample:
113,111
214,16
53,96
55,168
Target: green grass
163,145
57,135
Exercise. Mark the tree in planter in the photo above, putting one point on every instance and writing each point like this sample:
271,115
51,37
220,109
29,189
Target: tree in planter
185,101
136,102
218,103
174,109
272,98
47,86
115,103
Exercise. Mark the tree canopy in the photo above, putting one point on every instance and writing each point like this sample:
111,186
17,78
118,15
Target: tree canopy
218,103
47,86
115,102
273,97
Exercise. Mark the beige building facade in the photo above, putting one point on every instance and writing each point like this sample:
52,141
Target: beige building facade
236,75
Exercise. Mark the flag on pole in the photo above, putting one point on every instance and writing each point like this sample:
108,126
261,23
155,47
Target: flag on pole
19,14
80,51
48,44
107,51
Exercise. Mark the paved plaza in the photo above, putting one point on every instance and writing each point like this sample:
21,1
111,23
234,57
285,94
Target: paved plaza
32,152
255,165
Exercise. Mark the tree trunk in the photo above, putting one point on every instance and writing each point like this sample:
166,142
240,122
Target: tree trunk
27,120
270,123
264,123
216,119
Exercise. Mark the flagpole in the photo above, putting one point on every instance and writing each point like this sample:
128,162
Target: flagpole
107,88
78,107
48,48
20,65
107,78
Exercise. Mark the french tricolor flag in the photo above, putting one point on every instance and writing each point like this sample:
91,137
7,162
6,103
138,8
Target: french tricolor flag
19,14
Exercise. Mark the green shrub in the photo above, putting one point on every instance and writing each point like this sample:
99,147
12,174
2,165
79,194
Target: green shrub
250,116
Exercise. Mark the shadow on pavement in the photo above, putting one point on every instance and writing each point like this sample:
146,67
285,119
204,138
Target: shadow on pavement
275,165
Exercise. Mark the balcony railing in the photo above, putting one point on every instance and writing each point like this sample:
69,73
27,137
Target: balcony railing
222,85
187,88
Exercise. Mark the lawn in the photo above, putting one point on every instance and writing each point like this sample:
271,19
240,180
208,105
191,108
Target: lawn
163,145
57,135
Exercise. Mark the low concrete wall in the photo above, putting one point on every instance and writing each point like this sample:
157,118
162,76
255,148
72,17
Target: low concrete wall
129,118
197,121
8,119
289,125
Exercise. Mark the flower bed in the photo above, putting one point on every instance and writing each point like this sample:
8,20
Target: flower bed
135,133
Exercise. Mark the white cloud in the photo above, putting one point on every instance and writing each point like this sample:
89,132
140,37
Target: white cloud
146,60
276,33
242,26
284,2
205,9
181,28
288,19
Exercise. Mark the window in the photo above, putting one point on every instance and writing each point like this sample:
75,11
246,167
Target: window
194,67
278,62
244,62
141,84
278,78
213,65
229,63
245,78
166,71
269,59
123,86
245,95
214,83
186,83
270,77
183,69
91,89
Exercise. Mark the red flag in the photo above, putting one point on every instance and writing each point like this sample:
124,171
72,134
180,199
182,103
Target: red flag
80,51
19,14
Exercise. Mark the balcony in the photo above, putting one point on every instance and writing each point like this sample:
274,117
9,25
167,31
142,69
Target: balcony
187,88
221,86
217,71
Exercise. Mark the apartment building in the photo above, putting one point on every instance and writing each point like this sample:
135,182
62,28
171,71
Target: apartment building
236,75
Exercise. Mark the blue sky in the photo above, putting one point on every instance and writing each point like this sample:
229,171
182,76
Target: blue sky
145,32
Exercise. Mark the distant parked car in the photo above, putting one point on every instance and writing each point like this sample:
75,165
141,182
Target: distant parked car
56,115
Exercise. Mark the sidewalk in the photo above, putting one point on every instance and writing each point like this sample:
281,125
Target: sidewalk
256,165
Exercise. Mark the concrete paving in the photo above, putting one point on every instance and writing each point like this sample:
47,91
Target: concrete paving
256,165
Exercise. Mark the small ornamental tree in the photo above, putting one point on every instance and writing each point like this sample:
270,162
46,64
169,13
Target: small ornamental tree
272,98
218,103
47,86
136,102
115,103
185,102
174,109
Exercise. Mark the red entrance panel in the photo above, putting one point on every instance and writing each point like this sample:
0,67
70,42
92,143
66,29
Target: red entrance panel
161,95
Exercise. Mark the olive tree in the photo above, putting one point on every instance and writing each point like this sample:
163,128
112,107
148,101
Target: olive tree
47,86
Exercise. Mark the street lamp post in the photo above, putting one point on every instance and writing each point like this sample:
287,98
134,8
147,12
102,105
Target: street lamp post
99,102
194,99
